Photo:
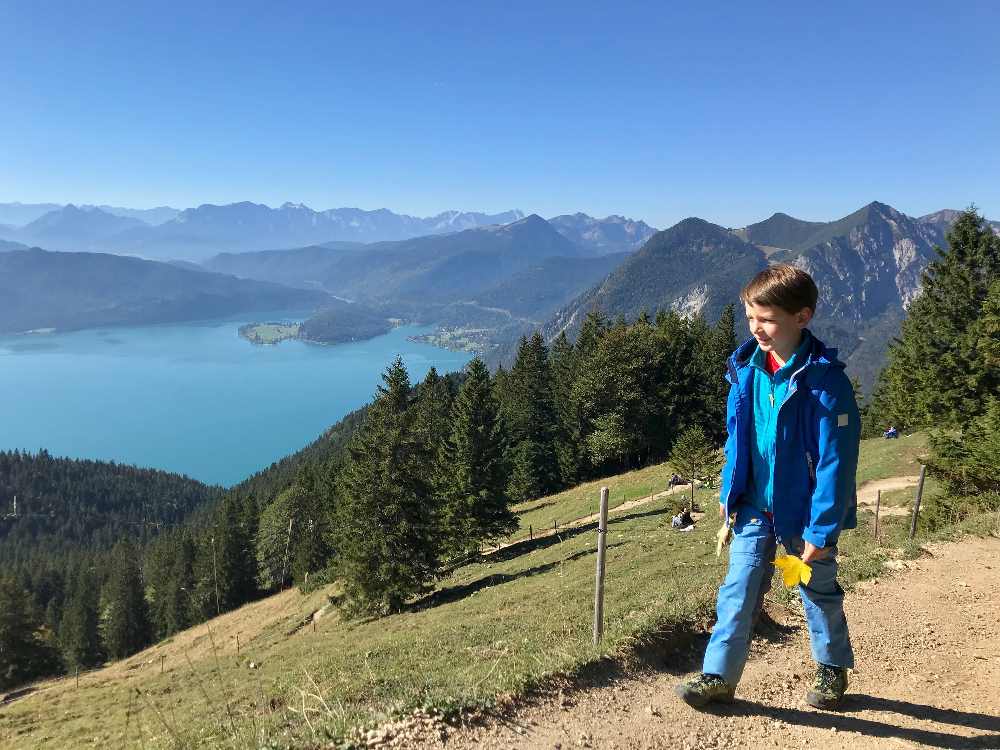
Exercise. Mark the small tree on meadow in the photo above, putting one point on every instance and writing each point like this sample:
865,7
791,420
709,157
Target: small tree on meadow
696,458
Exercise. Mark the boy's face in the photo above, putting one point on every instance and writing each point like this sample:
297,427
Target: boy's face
776,329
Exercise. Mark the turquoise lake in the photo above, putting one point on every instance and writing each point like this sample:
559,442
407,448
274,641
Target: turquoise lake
193,398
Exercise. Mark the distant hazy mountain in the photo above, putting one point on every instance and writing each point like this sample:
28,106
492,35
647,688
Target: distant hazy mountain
7,246
944,218
19,214
541,288
151,216
780,231
447,267
73,228
199,233
306,267
43,289
612,234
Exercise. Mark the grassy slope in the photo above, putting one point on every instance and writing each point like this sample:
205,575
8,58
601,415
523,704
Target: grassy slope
492,628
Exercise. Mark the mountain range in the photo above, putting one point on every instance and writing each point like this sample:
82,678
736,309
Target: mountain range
208,230
867,265
505,274
19,214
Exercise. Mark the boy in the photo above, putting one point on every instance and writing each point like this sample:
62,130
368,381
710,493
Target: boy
791,456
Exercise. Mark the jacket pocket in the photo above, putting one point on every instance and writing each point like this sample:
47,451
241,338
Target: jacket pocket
811,464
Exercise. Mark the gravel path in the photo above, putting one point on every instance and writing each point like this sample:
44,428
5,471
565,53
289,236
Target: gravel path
927,640
868,492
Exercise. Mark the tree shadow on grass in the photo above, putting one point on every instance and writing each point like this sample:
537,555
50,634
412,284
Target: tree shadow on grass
524,546
843,721
454,593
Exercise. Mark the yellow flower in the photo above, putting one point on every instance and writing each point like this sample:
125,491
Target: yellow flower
793,570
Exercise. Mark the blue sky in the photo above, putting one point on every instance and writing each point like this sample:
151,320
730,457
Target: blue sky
729,111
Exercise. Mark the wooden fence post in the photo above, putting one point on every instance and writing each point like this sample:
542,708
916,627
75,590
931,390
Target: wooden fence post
531,534
237,644
916,503
602,534
878,503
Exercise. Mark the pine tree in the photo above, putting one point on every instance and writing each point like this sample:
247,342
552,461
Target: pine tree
386,534
934,376
716,388
564,365
126,624
432,426
310,548
235,555
969,461
179,612
79,637
19,646
281,525
475,509
617,393
531,421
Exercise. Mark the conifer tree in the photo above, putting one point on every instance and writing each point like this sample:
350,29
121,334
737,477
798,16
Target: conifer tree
531,421
178,605
79,637
386,533
718,345
432,409
594,325
476,508
235,564
19,647
617,395
432,425
126,624
281,525
934,376
310,547
564,365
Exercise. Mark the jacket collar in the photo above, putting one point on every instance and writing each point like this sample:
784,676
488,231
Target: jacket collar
817,361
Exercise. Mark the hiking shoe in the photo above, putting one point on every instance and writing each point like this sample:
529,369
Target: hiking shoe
703,689
828,687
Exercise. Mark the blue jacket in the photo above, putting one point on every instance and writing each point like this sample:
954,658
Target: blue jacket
818,432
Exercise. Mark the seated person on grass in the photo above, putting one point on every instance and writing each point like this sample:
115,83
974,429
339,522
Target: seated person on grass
791,457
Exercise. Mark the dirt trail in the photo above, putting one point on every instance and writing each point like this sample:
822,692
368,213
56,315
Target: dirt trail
927,643
868,492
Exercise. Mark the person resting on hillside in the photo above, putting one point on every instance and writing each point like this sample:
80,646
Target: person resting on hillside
791,457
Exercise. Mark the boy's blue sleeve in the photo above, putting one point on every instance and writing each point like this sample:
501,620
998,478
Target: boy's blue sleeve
732,441
839,435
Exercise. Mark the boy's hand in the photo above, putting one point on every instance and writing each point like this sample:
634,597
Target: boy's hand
812,552
722,511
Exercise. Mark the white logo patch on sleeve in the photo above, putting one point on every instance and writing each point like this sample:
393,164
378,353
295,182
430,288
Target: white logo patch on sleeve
841,420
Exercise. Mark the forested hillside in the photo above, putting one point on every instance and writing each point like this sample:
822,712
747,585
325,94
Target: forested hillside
75,504
69,291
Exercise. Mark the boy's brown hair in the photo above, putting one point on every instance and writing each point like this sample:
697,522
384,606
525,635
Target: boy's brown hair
784,286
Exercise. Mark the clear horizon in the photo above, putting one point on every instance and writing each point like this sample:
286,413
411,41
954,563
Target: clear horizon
644,111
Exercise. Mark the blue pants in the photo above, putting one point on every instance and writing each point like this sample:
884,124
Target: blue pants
751,565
